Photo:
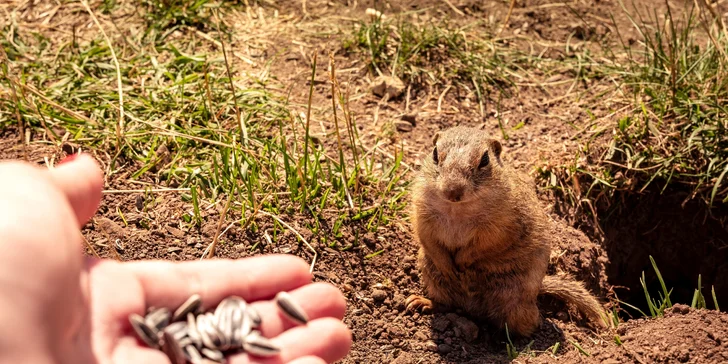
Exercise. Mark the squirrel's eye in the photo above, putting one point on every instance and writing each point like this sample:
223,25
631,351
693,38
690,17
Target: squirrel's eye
434,155
484,160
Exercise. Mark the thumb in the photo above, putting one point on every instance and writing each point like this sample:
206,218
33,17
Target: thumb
80,179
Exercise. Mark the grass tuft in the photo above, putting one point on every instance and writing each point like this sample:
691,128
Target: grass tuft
673,135
432,54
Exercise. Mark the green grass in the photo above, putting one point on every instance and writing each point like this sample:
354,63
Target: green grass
658,306
673,136
185,127
434,53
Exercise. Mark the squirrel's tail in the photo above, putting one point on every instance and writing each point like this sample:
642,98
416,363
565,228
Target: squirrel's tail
573,292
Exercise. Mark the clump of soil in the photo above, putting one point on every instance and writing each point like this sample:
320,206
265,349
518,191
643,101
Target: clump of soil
683,335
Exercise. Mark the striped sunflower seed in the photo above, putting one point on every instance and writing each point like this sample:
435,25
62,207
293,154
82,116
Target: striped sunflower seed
192,331
291,308
208,331
148,334
177,329
192,305
172,348
215,355
158,318
254,316
192,354
258,345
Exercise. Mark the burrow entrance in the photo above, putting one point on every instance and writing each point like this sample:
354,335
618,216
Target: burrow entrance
684,242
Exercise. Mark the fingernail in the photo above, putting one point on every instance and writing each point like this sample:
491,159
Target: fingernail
68,159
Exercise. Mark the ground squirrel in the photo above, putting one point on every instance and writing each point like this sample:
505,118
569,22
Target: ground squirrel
484,245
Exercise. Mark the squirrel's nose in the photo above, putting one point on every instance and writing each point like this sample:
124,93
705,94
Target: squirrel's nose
454,193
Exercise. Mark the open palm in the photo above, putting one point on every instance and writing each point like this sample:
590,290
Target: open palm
58,307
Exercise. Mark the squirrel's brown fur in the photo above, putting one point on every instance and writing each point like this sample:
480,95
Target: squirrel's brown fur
483,238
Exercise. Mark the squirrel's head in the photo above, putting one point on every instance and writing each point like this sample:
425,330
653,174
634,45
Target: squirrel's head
463,165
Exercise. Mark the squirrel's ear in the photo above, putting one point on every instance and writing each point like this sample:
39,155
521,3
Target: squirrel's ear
435,138
496,147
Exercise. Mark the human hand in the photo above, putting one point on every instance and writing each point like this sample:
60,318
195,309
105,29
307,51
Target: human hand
58,307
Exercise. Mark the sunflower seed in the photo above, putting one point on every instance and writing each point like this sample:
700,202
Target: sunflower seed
224,316
172,348
254,317
290,308
215,355
241,331
208,331
192,331
192,354
258,345
148,334
191,305
177,329
158,318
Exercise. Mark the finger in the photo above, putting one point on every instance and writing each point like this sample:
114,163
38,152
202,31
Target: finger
128,350
81,180
169,284
318,300
327,338
308,360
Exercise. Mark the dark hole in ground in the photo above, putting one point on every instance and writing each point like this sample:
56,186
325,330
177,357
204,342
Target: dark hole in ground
684,242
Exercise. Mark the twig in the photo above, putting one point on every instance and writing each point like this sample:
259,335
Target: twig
120,125
439,99
454,8
505,21
90,247
211,248
315,255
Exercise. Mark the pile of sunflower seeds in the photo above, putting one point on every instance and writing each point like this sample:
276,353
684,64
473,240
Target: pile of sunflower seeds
189,335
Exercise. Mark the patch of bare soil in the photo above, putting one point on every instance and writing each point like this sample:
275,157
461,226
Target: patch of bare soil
683,335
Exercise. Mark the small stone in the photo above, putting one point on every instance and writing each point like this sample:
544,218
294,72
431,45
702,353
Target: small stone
396,331
177,233
444,348
240,248
431,346
464,327
387,85
398,301
403,126
109,227
681,309
379,295
419,335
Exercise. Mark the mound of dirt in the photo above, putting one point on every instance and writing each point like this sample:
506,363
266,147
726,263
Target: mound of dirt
684,335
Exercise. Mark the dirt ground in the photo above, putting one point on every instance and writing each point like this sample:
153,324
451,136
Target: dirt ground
376,288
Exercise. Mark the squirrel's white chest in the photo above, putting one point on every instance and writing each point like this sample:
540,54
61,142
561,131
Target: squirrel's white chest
454,230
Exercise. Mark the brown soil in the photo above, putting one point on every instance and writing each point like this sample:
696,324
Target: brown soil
376,288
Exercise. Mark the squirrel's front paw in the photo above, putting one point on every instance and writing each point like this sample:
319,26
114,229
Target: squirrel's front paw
416,303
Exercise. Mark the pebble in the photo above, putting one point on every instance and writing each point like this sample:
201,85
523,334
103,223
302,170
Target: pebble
431,346
379,295
444,348
463,327
681,309
419,335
